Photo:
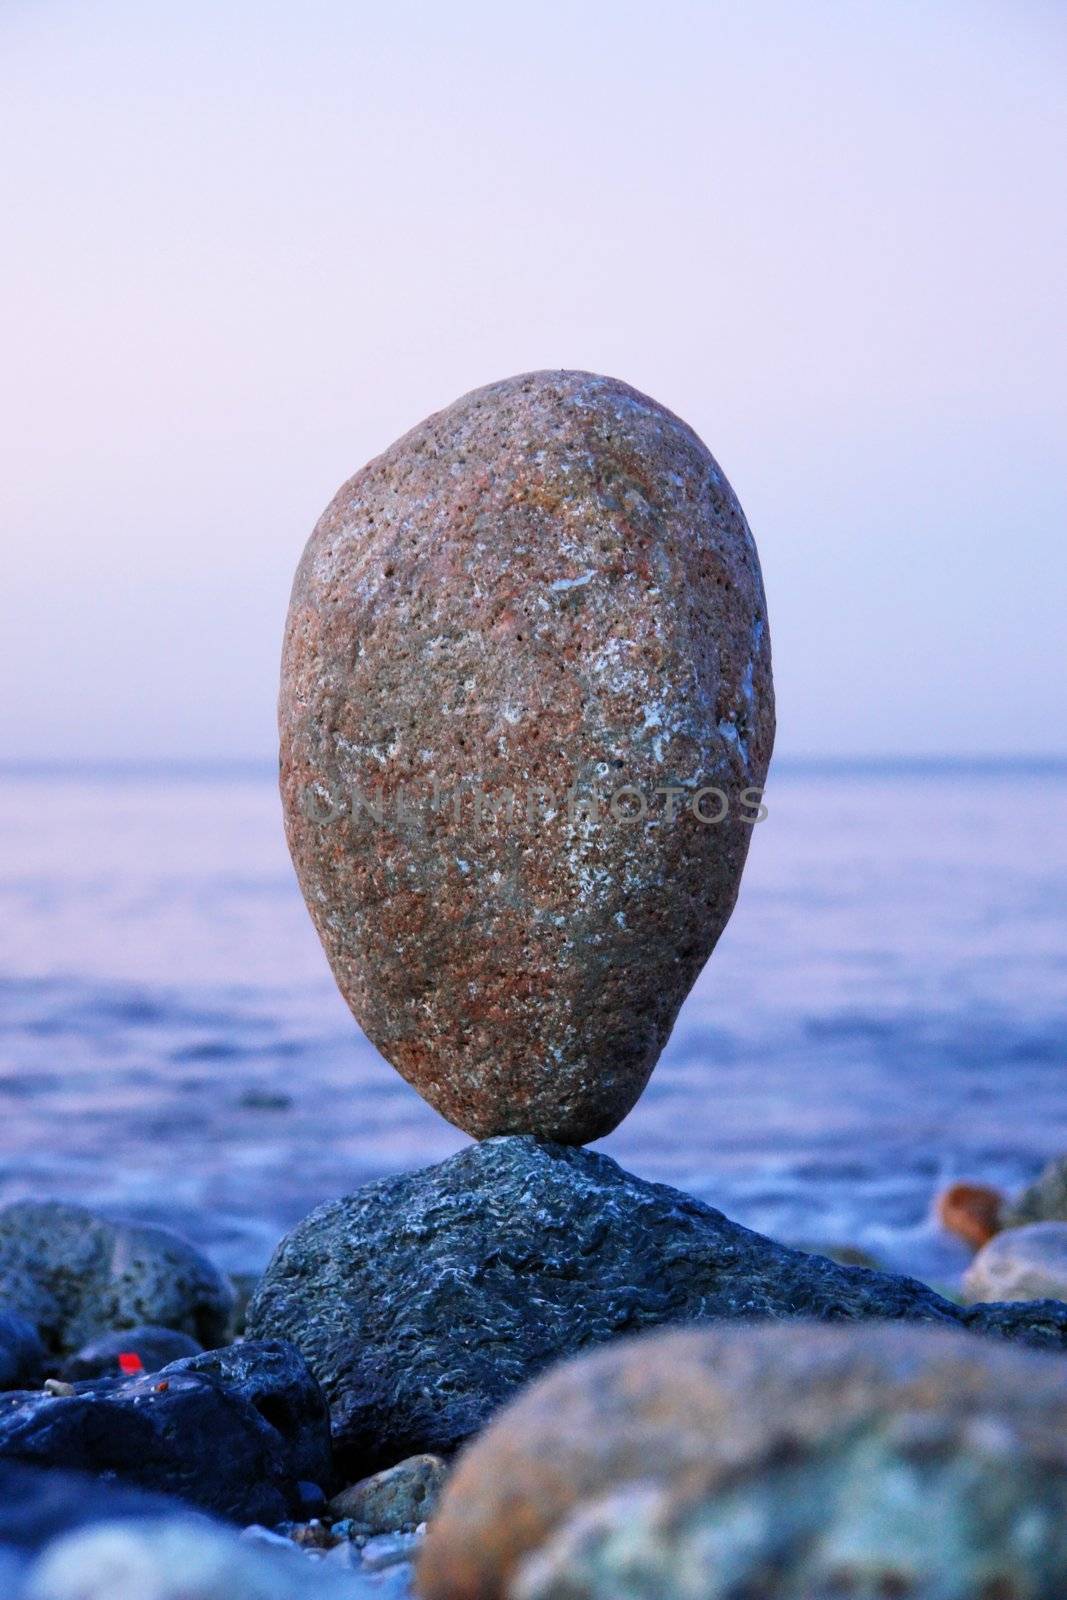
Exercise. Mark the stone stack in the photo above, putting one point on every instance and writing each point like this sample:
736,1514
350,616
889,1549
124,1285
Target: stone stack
526,717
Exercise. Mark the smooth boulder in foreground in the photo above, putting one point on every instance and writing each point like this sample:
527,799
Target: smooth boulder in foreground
787,1462
526,710
423,1302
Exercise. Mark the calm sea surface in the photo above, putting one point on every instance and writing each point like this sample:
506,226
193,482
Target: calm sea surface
887,1011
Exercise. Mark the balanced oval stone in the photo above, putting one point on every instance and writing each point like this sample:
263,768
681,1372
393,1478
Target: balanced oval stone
526,715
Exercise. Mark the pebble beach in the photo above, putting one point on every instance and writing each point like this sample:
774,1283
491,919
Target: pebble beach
255,1369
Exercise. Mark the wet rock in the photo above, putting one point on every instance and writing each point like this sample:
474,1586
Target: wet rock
178,1560
1040,1324
272,1378
399,1498
423,1302
1021,1264
1044,1201
152,1347
21,1352
243,1432
509,636
781,1461
75,1276
972,1211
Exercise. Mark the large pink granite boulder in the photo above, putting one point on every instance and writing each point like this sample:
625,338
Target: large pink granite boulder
526,710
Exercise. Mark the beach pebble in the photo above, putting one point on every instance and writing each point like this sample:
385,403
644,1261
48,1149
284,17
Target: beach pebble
972,1211
423,1302
21,1352
389,1550
242,1432
76,1276
178,1560
785,1462
151,1347
1045,1200
547,589
400,1497
257,1534
1021,1264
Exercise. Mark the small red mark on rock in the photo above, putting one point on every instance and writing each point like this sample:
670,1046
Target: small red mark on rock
130,1362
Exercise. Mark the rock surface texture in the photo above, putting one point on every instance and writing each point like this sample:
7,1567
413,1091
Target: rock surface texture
1021,1264
399,1498
242,1432
1044,1201
783,1462
75,1276
509,636
423,1302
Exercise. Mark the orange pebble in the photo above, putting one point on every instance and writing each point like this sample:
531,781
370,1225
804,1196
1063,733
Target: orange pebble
971,1211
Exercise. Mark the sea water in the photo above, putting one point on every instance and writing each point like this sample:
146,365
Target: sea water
886,1012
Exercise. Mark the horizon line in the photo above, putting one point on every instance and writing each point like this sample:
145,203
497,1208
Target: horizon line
221,767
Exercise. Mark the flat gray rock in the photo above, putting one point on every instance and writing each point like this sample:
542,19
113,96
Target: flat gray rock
423,1302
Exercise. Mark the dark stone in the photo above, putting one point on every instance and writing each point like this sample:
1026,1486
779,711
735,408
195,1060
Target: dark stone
21,1352
153,1346
272,1378
1038,1323
75,1276
239,1432
37,1506
423,1302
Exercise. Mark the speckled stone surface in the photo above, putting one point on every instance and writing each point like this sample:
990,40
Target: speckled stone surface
421,1303
76,1276
796,1462
509,635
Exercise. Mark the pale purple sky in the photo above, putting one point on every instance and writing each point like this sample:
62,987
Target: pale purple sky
247,244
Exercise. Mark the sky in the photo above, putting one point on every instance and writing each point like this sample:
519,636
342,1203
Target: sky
247,245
